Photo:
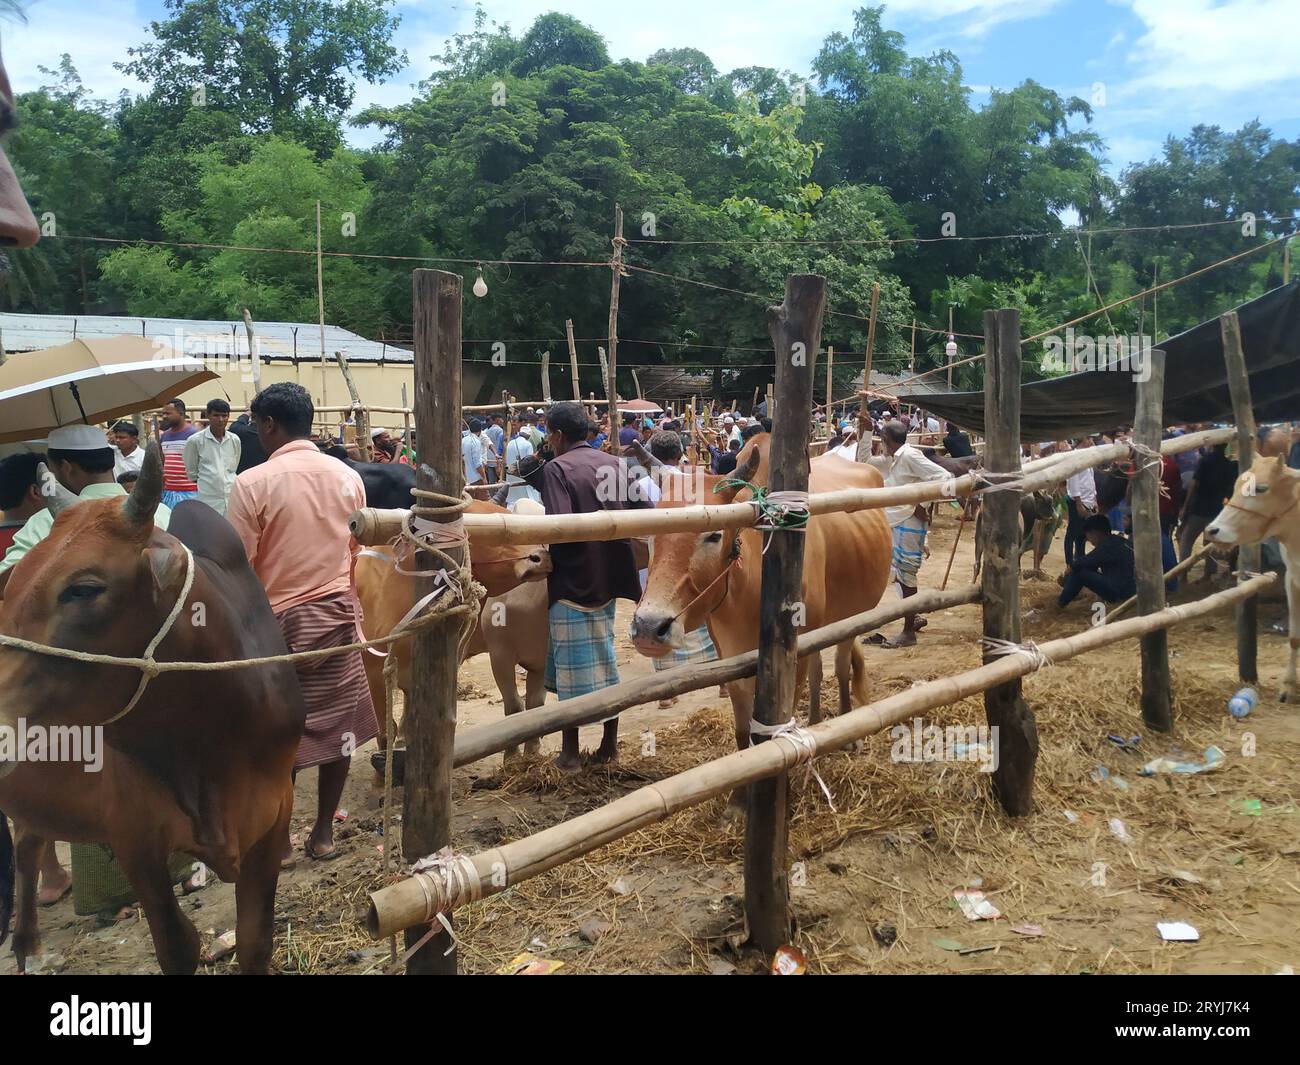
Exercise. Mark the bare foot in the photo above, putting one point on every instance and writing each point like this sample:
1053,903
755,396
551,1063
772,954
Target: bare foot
53,889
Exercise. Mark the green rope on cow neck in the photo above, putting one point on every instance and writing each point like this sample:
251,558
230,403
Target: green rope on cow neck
773,514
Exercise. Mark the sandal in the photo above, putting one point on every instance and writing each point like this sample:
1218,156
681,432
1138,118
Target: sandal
320,856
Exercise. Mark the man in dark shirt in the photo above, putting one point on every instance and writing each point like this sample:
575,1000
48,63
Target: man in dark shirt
586,578
957,443
629,432
1107,569
1212,483
251,452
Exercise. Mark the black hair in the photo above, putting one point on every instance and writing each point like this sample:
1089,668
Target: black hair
629,419
1097,523
97,460
751,430
220,406
666,446
733,444
766,423
894,431
17,474
129,477
126,427
288,403
475,426
178,404
569,419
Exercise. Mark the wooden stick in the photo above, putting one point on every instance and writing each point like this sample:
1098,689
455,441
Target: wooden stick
611,378
753,403
546,379
797,321
482,741
431,713
830,388
361,414
1248,555
1013,778
320,305
1148,556
965,509
378,527
407,903
254,359
637,382
573,359
1178,570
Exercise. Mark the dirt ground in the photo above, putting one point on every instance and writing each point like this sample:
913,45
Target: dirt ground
1080,884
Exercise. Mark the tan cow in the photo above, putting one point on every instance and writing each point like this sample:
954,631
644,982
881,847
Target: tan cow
1265,504
512,624
715,578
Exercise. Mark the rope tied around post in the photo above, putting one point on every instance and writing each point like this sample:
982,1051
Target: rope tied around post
1029,649
773,510
804,744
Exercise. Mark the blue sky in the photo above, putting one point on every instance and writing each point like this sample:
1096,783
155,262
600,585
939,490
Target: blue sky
1165,64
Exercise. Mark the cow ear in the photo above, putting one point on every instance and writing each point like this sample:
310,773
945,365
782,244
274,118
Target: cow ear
167,566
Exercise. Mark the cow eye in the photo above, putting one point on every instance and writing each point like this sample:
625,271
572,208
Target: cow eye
713,538
80,593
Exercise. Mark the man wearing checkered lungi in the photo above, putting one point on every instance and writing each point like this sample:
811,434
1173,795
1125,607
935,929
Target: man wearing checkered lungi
586,579
904,464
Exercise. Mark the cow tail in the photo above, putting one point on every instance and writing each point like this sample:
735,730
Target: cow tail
6,876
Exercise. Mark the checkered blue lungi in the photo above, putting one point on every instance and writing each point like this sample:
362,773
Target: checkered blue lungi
909,549
580,658
697,647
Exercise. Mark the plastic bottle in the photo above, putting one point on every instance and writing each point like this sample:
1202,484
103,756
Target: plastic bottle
1241,704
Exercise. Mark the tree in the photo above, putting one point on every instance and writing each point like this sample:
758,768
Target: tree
693,70
559,40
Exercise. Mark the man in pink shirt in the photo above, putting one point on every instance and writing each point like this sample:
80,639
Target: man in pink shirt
292,514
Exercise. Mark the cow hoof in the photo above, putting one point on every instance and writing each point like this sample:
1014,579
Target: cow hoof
568,766
1284,696
533,747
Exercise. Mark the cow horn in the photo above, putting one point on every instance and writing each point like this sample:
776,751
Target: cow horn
57,498
147,493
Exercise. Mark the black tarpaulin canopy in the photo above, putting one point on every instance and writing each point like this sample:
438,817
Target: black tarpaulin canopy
1196,384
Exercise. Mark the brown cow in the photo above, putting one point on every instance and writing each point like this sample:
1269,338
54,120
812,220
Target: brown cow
511,629
209,777
715,578
1266,503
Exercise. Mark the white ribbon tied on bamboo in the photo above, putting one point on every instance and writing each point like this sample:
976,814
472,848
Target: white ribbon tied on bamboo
804,744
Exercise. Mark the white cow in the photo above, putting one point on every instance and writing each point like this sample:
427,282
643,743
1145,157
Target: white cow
1264,505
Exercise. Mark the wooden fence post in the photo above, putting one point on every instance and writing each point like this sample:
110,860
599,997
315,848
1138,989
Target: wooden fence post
431,714
1016,744
616,272
1248,556
795,327
573,359
546,378
1148,558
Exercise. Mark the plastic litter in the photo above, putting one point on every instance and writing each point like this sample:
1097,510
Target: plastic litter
1119,831
1241,704
789,961
1177,932
1214,758
975,906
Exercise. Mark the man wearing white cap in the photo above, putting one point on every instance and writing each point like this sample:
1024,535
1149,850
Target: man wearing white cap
82,461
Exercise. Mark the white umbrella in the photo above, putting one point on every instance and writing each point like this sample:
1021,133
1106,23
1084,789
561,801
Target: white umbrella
89,381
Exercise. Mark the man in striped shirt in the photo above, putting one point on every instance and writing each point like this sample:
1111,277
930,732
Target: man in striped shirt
176,480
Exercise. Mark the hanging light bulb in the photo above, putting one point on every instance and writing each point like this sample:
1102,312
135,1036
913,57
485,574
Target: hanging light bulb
480,286
950,348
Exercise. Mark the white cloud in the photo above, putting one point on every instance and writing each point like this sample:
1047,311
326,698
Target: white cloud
95,35
1227,46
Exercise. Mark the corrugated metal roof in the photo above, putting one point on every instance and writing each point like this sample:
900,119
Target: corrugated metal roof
276,340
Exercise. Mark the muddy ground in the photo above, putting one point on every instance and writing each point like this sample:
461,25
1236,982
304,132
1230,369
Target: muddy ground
1092,870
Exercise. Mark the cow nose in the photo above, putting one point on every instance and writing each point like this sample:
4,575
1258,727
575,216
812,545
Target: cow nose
1211,533
651,627
535,558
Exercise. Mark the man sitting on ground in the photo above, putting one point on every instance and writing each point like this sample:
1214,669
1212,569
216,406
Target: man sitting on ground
1107,569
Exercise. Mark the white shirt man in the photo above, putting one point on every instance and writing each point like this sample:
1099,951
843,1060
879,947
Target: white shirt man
907,465
471,452
211,462
127,461
517,448
1082,488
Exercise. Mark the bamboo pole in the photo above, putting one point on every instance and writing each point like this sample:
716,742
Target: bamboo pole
797,321
415,901
546,380
408,444
637,382
1176,571
320,306
830,387
573,360
377,527
361,414
254,359
864,414
1248,555
616,274
1004,706
1148,558
431,713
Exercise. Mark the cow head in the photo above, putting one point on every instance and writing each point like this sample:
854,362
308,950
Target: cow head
1261,497
103,580
507,566
689,572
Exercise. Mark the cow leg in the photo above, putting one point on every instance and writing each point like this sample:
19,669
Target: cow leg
175,940
259,870
28,850
814,687
1289,682
742,709
534,696
503,672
